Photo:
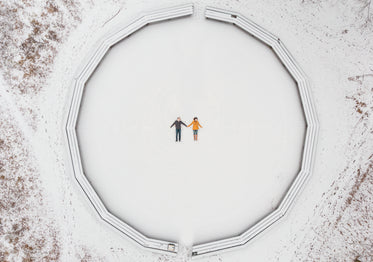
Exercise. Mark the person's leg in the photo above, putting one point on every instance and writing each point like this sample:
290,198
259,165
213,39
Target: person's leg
176,133
179,135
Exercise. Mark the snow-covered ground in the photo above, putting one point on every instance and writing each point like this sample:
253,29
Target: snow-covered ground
45,216
250,145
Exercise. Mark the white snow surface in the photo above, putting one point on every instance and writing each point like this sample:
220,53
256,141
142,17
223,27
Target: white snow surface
249,148
331,219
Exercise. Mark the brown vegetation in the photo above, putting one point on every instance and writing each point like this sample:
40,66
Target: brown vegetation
30,32
25,232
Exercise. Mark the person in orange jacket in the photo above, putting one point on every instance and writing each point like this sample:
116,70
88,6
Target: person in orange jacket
196,126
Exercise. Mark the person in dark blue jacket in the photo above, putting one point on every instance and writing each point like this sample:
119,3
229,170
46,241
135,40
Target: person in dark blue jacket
177,125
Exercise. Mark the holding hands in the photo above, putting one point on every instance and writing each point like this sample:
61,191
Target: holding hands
196,125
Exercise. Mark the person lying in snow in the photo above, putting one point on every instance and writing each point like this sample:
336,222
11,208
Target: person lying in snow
196,126
177,125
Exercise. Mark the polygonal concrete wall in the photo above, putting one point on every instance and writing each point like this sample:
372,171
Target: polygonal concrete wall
216,14
79,83
310,138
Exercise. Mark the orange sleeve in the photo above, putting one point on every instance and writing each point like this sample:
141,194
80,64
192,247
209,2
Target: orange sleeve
190,124
199,124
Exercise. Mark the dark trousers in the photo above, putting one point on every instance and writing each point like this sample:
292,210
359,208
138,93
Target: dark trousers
178,133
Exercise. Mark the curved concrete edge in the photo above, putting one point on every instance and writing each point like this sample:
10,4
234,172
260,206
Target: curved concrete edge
310,139
82,75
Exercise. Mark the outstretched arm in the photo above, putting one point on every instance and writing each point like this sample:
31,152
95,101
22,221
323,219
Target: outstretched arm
199,125
183,123
172,125
190,124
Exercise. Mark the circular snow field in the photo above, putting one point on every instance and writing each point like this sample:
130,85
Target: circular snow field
249,148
